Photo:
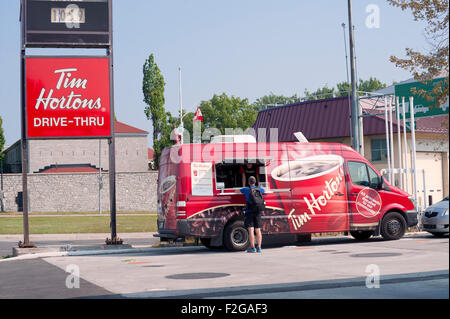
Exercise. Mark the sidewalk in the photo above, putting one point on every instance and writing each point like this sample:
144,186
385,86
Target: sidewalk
39,237
63,244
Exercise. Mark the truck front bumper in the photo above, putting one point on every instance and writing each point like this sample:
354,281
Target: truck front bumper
411,218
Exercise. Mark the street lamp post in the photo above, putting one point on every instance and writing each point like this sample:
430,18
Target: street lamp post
357,129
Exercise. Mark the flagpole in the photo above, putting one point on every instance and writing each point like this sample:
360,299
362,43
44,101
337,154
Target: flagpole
181,105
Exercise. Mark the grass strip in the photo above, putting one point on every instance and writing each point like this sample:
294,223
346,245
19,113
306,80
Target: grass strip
78,224
104,213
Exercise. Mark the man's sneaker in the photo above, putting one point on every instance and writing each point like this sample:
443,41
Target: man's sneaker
251,250
258,250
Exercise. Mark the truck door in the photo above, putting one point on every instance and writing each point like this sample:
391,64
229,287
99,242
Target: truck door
364,200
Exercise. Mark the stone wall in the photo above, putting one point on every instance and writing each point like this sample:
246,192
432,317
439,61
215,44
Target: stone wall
80,192
131,153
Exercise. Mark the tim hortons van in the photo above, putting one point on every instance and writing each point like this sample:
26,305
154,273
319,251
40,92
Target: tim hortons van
309,188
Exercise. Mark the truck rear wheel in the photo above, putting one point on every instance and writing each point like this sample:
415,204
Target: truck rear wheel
235,237
361,234
393,226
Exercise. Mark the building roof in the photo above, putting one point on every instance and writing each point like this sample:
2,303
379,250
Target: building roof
68,168
120,127
151,153
329,118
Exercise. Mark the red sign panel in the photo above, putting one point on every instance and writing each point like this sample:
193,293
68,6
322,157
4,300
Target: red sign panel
68,97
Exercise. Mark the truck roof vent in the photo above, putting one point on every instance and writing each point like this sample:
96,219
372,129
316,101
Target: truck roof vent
300,137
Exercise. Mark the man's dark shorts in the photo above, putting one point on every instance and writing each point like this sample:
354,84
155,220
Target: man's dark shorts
252,220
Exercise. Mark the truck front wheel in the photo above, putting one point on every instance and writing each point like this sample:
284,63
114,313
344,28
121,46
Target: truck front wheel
393,226
235,236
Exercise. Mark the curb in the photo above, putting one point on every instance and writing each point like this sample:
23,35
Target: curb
95,252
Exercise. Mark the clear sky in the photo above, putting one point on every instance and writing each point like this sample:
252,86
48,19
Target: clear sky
246,48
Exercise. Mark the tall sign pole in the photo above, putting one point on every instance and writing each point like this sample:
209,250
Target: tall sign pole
357,138
112,143
24,147
50,83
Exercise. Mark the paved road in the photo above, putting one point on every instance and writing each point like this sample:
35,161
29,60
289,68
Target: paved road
413,267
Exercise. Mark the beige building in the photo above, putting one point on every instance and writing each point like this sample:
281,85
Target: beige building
328,120
83,155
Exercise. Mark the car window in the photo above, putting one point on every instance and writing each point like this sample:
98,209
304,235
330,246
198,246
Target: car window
358,173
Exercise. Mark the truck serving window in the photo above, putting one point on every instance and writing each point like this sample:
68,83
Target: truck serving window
229,175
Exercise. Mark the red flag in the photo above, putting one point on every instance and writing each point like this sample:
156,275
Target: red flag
198,115
176,135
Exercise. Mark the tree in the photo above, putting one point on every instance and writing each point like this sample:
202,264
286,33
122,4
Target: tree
342,89
2,139
371,85
425,66
272,100
221,112
153,90
168,124
321,93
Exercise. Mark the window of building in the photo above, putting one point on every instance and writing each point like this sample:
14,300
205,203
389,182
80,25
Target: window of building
379,149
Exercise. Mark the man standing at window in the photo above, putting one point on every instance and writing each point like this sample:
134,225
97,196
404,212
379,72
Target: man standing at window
253,212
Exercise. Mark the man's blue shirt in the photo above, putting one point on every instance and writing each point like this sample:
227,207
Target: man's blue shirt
246,192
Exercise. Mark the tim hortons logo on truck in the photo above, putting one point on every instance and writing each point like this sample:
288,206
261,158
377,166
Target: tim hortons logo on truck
315,204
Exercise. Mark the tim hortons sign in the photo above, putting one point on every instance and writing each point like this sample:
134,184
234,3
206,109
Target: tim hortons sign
67,97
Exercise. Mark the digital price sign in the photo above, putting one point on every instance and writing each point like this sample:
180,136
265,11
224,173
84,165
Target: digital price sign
80,23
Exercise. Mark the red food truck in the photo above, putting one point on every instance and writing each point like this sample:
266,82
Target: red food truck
309,188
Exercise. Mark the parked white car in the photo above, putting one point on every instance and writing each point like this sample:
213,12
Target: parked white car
435,218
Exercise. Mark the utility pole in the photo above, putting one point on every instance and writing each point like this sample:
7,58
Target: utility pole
348,81
181,105
357,138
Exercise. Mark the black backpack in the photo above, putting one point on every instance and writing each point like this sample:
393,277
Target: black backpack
256,202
